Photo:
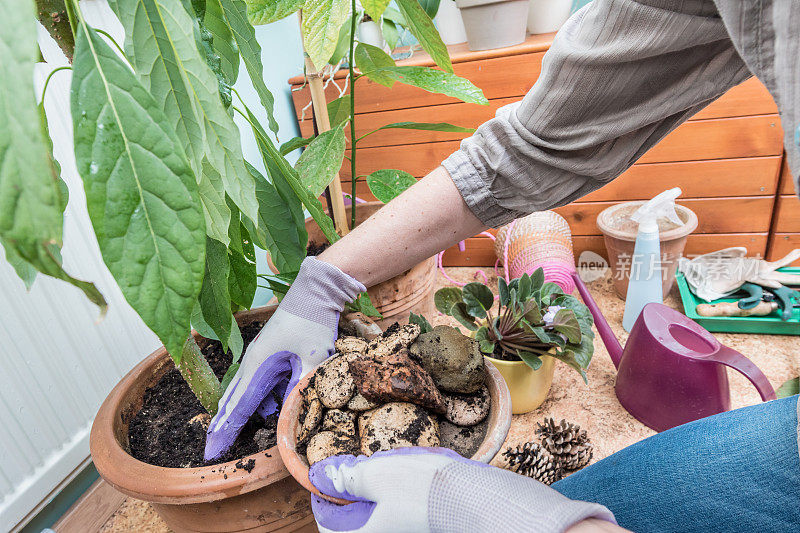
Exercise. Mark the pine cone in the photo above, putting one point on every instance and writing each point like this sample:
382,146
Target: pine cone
567,442
531,460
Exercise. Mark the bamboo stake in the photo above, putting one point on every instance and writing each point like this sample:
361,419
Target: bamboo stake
320,106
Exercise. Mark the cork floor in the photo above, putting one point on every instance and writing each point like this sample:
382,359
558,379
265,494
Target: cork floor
593,406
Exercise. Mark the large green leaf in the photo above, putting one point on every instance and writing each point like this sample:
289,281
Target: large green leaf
215,300
31,195
223,41
426,126
235,13
478,297
342,43
286,179
459,312
339,110
321,160
431,7
378,66
372,62
266,11
321,22
294,143
169,64
277,232
140,191
388,183
390,33
445,298
374,8
421,321
565,323
421,26
205,44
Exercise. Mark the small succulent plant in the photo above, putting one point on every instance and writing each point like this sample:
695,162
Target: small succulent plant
534,319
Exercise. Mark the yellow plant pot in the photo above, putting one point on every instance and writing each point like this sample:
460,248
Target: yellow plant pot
528,387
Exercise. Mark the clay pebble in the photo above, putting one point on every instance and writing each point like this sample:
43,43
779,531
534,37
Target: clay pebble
397,425
351,347
327,444
463,440
393,340
340,421
467,409
359,403
453,360
334,383
396,378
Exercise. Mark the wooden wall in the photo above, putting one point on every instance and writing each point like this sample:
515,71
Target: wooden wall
727,158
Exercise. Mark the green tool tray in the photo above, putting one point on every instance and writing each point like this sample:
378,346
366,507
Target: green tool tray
770,324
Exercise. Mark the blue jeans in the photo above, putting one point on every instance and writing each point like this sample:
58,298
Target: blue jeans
734,472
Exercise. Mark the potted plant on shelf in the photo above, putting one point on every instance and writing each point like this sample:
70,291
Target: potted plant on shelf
319,164
494,24
176,211
535,323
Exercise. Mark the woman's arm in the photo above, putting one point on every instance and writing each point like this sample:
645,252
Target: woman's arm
427,218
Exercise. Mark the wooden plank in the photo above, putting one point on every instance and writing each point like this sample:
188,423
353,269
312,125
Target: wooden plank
753,176
693,141
786,183
749,214
512,77
782,244
479,251
92,510
787,214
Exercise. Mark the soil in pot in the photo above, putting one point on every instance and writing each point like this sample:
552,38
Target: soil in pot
170,428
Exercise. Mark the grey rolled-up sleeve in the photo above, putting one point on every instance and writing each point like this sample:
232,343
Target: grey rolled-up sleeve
619,76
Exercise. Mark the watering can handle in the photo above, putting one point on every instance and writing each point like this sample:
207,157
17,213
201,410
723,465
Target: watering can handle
740,363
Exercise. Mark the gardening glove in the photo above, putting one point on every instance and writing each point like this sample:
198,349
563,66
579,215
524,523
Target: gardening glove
719,274
435,489
298,337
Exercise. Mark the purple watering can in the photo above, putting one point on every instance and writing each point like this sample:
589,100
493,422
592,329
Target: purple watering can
672,371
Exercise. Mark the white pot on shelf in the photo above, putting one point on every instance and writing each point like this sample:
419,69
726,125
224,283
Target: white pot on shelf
494,23
448,22
545,16
370,33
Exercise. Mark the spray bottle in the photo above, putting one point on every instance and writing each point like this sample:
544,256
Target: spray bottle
644,284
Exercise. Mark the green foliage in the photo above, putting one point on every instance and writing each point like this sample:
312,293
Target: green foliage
378,66
363,304
321,160
789,388
321,22
431,7
294,143
387,184
31,198
426,126
339,111
266,11
375,8
421,321
533,319
140,191
421,26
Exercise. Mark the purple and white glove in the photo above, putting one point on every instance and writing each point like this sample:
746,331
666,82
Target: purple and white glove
435,489
298,337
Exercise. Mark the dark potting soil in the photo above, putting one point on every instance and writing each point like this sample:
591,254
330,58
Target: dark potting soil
170,428
316,249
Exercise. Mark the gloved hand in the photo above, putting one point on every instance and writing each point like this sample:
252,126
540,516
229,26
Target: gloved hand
298,337
719,274
435,489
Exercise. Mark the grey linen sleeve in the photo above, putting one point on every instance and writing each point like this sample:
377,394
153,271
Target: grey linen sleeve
619,76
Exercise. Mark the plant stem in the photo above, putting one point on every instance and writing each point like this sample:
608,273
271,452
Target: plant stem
198,374
73,20
353,140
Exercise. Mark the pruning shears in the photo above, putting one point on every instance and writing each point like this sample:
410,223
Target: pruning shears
783,296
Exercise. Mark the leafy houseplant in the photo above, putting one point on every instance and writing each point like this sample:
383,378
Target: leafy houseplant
534,319
174,206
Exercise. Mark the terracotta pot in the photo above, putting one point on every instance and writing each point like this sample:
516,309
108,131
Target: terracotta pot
210,498
395,298
528,387
289,427
619,234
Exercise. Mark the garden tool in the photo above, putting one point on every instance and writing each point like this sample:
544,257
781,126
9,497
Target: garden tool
672,371
541,239
732,309
719,274
782,296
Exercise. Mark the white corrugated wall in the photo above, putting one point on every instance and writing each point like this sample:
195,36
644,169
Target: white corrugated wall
56,363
